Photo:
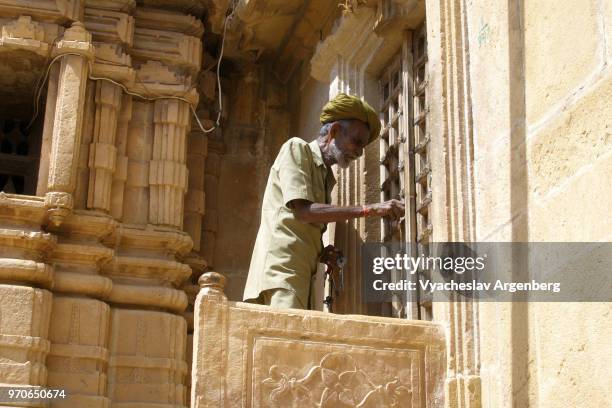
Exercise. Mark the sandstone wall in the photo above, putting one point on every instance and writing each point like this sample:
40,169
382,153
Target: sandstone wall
256,126
541,81
308,97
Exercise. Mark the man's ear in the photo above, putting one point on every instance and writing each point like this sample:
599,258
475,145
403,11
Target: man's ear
334,131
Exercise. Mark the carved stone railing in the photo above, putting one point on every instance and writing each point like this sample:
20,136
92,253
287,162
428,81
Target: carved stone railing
254,356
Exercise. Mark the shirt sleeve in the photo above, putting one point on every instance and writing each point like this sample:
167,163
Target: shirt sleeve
295,172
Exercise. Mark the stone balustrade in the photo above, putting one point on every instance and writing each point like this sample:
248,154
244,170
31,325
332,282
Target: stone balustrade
253,356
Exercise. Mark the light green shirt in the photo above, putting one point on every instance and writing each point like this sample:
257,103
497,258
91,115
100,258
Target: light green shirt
286,250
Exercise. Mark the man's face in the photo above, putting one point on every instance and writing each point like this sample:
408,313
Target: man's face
347,144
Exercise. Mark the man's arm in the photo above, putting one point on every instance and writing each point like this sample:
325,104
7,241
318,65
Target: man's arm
307,211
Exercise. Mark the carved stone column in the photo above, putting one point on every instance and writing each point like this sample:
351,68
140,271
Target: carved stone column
120,175
102,151
138,152
68,121
168,172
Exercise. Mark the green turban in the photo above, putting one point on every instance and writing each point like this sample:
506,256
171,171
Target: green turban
345,106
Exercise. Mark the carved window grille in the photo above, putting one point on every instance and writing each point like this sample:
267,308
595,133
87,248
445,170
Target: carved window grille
19,150
419,155
405,167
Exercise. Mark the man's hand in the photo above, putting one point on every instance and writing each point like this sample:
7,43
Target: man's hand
394,209
330,255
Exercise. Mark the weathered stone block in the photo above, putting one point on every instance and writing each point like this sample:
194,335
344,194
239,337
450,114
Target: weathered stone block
24,327
147,363
79,355
553,75
577,137
576,210
500,182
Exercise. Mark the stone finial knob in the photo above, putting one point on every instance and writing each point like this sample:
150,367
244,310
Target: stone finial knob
213,281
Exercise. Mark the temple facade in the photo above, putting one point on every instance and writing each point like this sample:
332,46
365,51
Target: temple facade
135,143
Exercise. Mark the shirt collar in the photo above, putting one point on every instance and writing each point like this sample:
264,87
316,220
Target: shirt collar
318,159
316,152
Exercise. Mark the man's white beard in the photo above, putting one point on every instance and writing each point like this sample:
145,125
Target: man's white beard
341,160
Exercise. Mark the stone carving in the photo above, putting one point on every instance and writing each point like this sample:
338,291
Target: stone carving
155,71
26,34
342,382
155,79
169,21
109,26
77,40
57,11
25,28
112,53
170,47
59,206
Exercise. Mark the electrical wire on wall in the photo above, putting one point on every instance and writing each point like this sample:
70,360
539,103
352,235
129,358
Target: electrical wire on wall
42,81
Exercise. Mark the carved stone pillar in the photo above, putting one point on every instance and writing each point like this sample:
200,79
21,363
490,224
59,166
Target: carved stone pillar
138,152
47,134
120,175
68,121
83,170
168,172
102,151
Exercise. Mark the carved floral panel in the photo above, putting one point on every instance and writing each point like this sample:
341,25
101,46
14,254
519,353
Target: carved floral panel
290,373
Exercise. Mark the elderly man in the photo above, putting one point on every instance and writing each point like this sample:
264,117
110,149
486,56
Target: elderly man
296,204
